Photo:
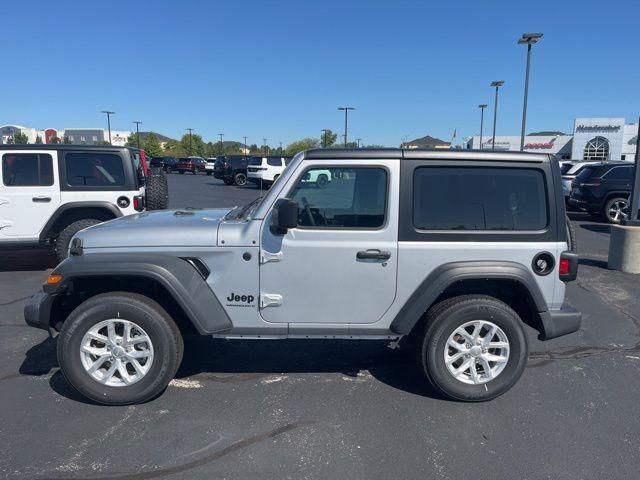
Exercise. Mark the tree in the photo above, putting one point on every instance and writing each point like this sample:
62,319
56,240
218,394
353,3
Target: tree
55,140
300,145
66,140
38,139
193,147
173,148
132,141
152,145
20,138
328,139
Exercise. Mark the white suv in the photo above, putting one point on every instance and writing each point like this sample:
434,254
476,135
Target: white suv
266,170
48,193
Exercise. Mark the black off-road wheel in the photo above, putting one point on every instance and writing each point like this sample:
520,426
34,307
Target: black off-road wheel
474,348
240,179
62,241
157,191
119,348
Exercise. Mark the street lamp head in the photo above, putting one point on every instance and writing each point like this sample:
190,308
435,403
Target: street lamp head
482,105
346,108
530,38
497,83
108,112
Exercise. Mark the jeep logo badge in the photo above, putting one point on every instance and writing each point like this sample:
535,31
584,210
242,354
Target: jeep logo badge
235,300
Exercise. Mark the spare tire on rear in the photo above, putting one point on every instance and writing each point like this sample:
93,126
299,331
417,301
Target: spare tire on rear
157,190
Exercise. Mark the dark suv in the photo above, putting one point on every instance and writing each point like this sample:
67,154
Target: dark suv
168,164
231,169
603,190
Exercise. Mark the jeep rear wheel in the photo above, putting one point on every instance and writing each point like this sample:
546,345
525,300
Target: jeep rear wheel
61,243
157,191
474,348
119,348
240,179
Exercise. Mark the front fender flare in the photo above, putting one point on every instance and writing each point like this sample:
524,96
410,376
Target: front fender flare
183,282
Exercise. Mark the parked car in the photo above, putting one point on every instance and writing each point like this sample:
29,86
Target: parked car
210,166
231,169
190,164
265,170
319,178
446,258
570,174
48,193
603,189
167,164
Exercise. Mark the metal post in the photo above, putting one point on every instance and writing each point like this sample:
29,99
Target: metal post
109,113
245,145
482,106
358,140
190,145
221,144
633,219
526,94
324,137
496,84
346,120
264,146
138,132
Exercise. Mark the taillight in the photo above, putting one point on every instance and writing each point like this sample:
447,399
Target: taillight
568,266
138,203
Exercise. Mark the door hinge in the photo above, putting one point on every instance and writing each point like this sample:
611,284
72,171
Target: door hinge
270,300
266,257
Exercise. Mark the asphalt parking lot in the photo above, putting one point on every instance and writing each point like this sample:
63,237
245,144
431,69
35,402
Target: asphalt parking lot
330,409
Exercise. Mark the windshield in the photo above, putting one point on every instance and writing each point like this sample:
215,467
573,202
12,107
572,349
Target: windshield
244,212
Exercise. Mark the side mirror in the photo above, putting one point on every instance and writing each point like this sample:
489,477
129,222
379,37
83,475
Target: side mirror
285,216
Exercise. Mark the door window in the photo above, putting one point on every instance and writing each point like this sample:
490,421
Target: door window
618,173
94,170
341,197
274,161
27,170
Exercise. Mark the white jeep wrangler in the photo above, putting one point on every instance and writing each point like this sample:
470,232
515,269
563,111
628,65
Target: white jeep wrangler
48,193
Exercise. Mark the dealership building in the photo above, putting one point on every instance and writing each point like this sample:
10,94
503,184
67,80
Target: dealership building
592,139
76,136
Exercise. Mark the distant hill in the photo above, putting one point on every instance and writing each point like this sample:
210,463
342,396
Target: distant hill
161,138
427,142
544,133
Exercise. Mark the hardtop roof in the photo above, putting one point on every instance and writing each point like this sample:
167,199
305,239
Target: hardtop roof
425,153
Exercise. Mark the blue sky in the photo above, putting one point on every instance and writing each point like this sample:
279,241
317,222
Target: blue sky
279,69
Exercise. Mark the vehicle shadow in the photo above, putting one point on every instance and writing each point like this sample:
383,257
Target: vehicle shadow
224,361
27,260
597,227
592,262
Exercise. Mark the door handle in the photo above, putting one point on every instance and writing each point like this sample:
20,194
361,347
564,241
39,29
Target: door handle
41,199
373,254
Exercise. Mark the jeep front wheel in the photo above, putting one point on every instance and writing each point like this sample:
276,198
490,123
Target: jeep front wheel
474,348
61,243
119,348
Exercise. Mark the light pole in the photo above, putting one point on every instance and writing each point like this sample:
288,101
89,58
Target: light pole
264,146
497,84
280,143
245,146
138,132
482,106
358,140
325,132
221,144
190,130
527,39
346,120
109,122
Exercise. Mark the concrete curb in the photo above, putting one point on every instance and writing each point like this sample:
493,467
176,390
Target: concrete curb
624,249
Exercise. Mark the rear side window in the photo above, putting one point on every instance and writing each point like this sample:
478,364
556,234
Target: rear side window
565,167
255,161
274,161
618,173
287,160
27,170
585,173
460,198
94,170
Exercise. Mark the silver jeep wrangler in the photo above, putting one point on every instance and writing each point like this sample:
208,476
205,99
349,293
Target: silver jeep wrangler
448,252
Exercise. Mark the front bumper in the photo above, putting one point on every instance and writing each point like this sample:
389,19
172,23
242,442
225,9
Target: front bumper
556,323
37,311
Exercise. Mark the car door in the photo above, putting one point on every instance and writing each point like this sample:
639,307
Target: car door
339,265
30,192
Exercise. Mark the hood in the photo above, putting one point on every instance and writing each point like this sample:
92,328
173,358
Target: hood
166,228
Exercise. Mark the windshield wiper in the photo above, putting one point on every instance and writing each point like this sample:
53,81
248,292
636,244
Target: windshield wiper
241,212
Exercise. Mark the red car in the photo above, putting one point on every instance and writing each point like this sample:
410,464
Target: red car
191,164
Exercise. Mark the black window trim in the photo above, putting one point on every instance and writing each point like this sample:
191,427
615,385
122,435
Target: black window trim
40,156
408,233
329,166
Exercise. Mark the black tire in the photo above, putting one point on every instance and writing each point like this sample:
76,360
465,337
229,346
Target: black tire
240,179
611,205
571,237
146,313
322,181
209,173
62,241
157,191
444,318
228,181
